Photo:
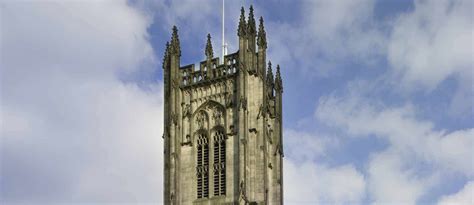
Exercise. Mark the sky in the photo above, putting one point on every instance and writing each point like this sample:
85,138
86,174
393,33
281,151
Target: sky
377,107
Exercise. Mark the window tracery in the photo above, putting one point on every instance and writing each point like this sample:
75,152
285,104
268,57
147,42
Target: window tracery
210,150
202,167
219,164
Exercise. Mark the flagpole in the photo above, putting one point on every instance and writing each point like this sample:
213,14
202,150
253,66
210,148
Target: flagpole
223,32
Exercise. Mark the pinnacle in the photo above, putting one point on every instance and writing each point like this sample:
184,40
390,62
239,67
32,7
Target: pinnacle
278,81
166,55
242,23
251,22
262,36
270,73
175,47
209,51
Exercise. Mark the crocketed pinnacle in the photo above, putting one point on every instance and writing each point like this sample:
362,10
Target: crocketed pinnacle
270,75
175,47
262,36
251,23
209,52
242,24
278,81
166,55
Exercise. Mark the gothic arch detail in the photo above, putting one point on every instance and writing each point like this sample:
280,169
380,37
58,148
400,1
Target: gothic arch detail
209,133
219,163
202,165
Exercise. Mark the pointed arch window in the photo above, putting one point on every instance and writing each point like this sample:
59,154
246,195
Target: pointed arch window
202,167
219,163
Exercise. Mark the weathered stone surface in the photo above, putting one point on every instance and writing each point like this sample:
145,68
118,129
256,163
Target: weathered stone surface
223,125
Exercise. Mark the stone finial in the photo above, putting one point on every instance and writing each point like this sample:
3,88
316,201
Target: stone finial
270,75
209,52
262,36
278,81
251,23
166,55
175,47
242,24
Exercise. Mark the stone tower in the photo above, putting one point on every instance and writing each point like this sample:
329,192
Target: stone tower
223,124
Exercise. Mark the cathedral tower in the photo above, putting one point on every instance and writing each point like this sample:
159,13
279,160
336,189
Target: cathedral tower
223,124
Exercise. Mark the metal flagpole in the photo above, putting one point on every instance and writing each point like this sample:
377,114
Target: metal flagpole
224,46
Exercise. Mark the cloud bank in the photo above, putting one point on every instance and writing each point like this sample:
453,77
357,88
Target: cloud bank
72,130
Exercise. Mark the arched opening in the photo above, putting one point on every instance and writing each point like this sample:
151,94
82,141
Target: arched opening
202,167
210,138
219,168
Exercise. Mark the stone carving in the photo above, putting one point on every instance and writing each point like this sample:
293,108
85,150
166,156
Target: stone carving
217,115
243,103
229,100
187,110
188,141
232,130
260,111
200,119
175,83
242,188
174,118
243,196
269,132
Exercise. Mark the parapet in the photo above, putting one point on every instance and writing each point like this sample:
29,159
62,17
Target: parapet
192,77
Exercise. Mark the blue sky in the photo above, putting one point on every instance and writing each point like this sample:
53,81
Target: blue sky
378,97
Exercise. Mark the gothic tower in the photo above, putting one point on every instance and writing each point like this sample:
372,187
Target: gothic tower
223,124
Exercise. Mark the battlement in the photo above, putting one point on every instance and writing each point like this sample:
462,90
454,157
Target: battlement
192,77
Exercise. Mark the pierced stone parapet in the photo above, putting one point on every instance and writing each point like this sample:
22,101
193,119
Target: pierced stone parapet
190,76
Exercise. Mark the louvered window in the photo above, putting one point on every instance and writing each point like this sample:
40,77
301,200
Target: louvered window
202,167
219,164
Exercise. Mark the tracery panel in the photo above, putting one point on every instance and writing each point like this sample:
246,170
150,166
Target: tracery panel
219,163
202,167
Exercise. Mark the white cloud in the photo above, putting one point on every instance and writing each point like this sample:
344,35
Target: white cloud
309,183
344,29
464,196
390,183
331,33
399,125
408,137
72,131
423,46
304,146
433,42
